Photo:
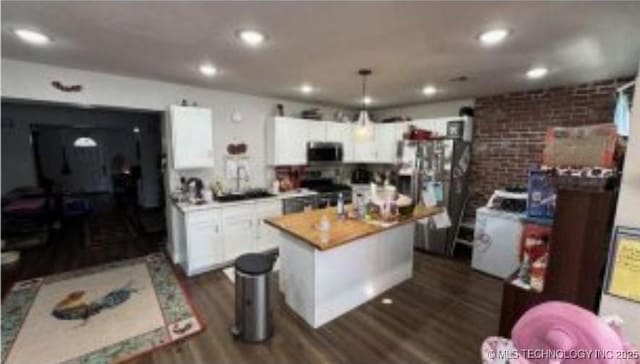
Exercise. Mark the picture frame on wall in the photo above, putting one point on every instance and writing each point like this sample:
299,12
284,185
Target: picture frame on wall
623,268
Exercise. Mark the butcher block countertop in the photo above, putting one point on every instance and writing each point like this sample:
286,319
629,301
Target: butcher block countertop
304,226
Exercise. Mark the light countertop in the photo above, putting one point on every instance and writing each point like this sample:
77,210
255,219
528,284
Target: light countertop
186,207
304,226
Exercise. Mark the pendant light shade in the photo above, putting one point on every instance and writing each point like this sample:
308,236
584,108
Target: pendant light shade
363,131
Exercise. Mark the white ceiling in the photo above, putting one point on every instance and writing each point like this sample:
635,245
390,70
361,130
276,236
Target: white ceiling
406,44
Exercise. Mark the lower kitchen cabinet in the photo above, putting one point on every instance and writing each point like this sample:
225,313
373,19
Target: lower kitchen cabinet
266,237
212,238
238,231
203,240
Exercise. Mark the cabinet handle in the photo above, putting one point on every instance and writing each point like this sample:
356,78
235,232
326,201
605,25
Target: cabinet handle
217,229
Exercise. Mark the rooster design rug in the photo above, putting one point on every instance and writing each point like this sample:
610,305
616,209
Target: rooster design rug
102,314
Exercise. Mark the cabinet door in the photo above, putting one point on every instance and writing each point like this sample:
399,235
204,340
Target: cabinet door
316,131
238,230
265,234
386,143
192,138
341,133
290,141
364,152
204,246
336,131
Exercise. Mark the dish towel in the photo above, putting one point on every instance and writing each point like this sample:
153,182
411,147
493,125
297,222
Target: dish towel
622,115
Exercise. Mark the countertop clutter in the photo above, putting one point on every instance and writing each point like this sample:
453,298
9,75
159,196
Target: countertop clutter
186,207
304,226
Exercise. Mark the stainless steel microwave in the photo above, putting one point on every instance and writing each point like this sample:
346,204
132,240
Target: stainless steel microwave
324,152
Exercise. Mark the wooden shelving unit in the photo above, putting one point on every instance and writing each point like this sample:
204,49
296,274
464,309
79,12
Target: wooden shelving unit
577,256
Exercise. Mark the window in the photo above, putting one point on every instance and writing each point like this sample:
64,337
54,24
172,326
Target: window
85,142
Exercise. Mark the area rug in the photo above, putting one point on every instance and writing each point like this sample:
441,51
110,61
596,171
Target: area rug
102,314
108,229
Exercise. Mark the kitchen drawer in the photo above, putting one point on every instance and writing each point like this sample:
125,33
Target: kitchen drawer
204,217
268,208
238,212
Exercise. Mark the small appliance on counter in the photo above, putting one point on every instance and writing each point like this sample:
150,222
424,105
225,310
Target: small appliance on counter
360,176
192,190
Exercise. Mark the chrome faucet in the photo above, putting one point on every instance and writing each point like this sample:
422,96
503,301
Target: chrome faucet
240,167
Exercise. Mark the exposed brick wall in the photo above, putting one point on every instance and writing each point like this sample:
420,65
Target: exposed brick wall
509,130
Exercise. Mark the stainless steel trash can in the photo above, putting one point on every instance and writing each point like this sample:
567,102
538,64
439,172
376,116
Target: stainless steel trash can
253,321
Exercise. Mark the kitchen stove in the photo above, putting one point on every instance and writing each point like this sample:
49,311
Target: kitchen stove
328,191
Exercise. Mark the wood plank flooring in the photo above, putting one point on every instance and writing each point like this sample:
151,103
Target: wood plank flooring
441,315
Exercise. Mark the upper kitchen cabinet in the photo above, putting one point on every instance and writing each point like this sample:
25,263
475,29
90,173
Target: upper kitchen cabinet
191,137
341,133
316,131
286,143
386,142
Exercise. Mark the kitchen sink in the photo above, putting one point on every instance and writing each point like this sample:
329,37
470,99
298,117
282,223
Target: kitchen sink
249,195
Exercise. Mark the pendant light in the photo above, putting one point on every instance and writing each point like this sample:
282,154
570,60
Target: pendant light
363,131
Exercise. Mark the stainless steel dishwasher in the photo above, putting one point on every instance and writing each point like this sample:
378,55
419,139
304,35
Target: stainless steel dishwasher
298,204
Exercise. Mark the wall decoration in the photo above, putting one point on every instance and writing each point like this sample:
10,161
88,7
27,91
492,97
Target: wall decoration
64,88
623,270
236,117
236,149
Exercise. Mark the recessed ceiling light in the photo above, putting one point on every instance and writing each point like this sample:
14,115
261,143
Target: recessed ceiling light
252,37
387,301
537,72
208,70
31,36
367,100
494,36
136,129
306,89
429,90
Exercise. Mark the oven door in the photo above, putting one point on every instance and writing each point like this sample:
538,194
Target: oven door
324,152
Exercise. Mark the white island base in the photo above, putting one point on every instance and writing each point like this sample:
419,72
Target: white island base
320,285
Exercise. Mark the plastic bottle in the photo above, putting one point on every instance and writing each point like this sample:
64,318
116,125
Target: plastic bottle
340,207
325,229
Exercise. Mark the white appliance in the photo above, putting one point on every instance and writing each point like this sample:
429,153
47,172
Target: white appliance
496,242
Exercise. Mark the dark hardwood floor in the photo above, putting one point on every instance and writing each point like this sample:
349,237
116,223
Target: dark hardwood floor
441,315
74,245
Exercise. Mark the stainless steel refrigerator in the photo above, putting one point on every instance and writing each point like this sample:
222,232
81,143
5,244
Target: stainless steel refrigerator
440,165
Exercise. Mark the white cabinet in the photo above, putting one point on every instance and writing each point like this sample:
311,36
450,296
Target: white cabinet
214,237
238,230
204,246
341,133
266,237
286,142
316,131
191,137
386,143
364,152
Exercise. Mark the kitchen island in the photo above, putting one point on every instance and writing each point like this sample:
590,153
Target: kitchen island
323,280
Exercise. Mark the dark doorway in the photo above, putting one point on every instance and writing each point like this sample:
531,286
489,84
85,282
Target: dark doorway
97,169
